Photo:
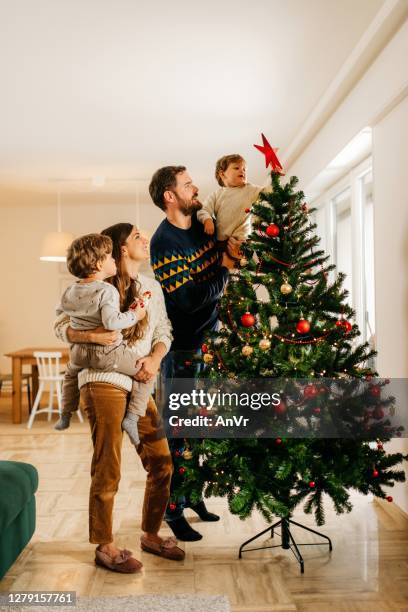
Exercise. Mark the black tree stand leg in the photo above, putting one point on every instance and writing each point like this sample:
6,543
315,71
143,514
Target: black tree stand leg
287,540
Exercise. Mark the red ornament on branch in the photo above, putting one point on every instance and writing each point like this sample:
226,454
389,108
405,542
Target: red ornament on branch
280,409
303,326
312,484
182,470
272,230
270,156
375,390
378,413
375,473
389,498
345,325
310,391
247,210
172,506
204,348
247,319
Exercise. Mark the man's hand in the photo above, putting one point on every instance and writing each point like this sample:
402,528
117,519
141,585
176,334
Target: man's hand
228,262
209,227
150,367
234,246
99,335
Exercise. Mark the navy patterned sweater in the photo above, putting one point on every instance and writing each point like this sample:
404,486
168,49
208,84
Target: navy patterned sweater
186,264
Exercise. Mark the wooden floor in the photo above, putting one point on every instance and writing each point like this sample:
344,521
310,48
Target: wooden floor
367,570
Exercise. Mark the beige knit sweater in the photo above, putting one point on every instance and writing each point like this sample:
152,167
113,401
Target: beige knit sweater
228,205
158,330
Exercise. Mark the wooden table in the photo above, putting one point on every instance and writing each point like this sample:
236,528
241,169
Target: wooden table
26,357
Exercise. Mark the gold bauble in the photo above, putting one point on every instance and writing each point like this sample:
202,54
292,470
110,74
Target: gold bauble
187,454
264,344
243,262
247,350
208,358
286,288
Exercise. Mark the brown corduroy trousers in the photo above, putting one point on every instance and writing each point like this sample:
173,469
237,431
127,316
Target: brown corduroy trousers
105,406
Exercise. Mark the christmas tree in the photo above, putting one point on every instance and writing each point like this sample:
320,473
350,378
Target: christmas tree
283,318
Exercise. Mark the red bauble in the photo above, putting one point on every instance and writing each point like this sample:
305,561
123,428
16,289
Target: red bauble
345,325
182,470
316,410
278,441
375,473
178,453
172,507
380,446
272,230
247,319
375,390
310,391
389,498
280,408
378,413
303,326
312,484
204,348
247,210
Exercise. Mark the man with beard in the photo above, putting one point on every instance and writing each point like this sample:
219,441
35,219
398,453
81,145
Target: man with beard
186,262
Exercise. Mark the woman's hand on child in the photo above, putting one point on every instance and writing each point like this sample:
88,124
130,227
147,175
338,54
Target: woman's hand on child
149,368
209,227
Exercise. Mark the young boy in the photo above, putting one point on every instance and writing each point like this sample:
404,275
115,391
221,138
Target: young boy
229,203
90,303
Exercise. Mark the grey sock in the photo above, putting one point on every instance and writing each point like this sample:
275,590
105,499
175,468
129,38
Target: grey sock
129,424
63,422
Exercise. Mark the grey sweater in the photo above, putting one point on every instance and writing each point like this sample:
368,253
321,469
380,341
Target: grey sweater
90,305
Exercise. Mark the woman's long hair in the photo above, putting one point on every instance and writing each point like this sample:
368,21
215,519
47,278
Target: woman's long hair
129,289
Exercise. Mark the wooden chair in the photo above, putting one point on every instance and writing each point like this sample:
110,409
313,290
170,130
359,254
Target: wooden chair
6,381
49,374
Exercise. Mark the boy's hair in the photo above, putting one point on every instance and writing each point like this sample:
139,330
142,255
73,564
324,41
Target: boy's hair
85,252
163,179
223,163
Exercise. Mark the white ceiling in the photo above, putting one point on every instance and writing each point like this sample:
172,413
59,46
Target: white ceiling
117,88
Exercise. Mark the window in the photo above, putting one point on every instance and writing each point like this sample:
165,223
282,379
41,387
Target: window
345,219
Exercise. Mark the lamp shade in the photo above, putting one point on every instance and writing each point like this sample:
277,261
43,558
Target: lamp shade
55,245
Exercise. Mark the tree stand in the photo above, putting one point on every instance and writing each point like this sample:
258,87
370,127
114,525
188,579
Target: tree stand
287,540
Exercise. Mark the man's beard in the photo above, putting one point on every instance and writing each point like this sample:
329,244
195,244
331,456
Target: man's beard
188,208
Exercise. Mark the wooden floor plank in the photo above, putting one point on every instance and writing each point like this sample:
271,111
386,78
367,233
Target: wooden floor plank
367,570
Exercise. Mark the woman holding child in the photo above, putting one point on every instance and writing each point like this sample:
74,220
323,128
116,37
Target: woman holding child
105,394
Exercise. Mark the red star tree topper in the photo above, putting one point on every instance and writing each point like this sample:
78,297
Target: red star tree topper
271,158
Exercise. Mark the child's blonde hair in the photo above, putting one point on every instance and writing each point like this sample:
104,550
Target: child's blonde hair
223,163
85,252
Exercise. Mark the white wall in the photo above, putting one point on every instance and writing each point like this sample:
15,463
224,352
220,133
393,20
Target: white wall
379,100
30,288
390,164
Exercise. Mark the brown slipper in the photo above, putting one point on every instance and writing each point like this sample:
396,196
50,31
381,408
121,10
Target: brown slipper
167,548
123,562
